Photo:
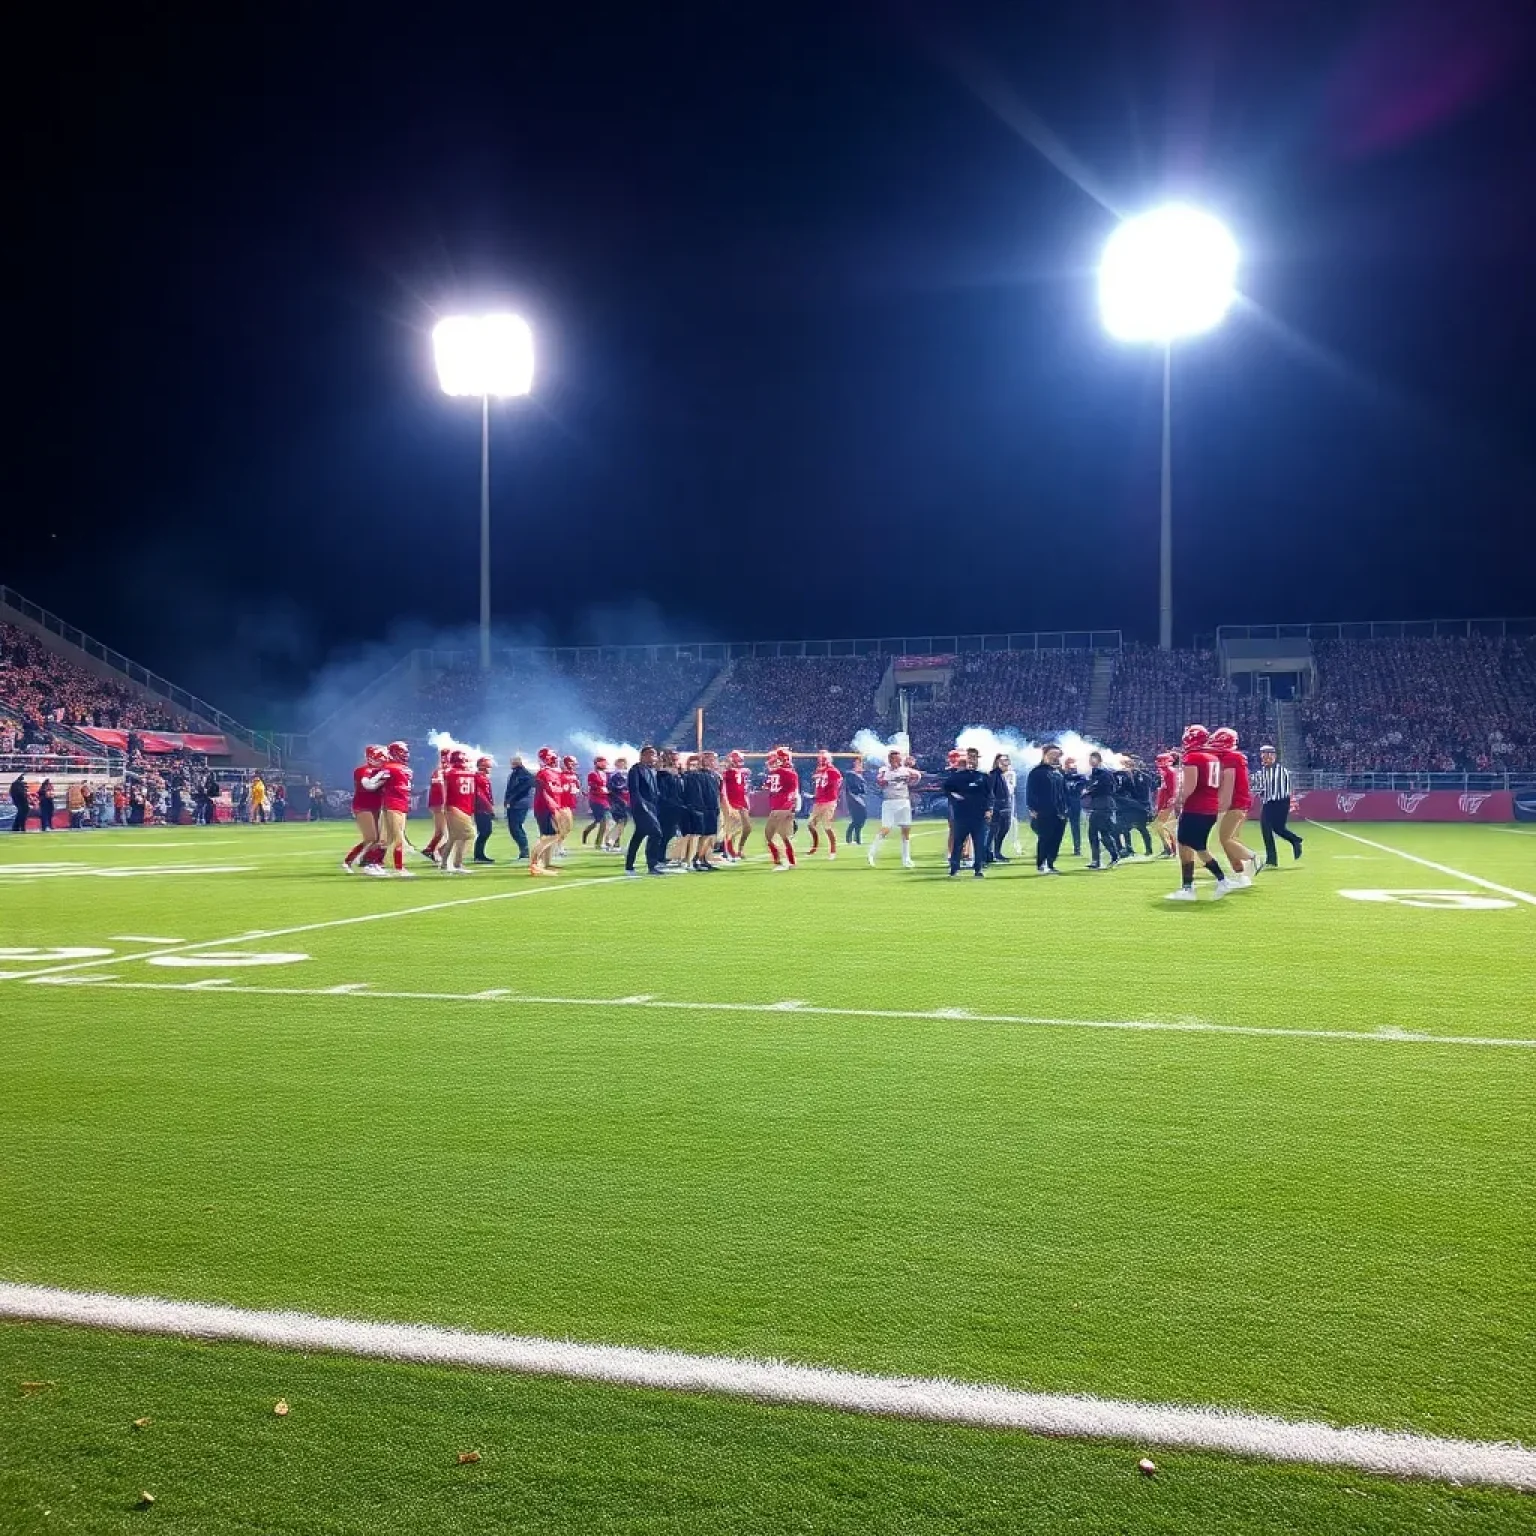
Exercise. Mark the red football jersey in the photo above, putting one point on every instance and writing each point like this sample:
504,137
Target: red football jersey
459,790
570,790
737,782
1235,763
363,798
597,789
548,786
783,786
435,790
485,796
828,782
396,786
1168,786
1204,798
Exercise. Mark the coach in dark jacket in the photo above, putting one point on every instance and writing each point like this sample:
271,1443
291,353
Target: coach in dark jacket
1100,794
516,801
1002,808
969,792
1133,805
643,811
1076,784
1046,799
21,801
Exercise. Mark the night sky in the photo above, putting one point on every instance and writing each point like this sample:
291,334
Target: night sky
819,351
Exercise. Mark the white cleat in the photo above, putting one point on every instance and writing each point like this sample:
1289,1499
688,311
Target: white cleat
908,864
348,869
405,874
1184,893
779,869
1239,882
830,857
376,870
1222,887
871,858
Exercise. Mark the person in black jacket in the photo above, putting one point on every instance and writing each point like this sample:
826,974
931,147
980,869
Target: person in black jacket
516,800
1100,793
1076,784
671,809
969,792
1046,799
643,811
45,806
1133,806
701,799
855,789
22,802
1002,807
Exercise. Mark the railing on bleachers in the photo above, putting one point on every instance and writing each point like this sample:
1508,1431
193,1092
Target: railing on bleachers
141,677
1380,629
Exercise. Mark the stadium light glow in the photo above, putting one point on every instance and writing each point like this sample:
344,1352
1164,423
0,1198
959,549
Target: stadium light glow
486,355
1167,274
490,356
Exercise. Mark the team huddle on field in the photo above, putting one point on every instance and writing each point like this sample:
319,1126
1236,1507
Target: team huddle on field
693,813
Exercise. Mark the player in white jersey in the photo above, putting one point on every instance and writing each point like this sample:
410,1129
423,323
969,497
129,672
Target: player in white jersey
896,779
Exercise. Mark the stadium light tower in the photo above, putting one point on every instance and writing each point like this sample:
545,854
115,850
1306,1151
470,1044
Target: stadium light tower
1165,275
485,355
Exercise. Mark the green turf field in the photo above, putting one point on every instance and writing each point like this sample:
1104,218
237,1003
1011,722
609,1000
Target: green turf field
869,1119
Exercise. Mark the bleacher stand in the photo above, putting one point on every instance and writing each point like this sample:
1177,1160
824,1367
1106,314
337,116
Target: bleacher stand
1445,705
803,702
1154,694
1031,693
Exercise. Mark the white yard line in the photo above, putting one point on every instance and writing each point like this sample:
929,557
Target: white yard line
1387,1034
1394,1453
251,936
1413,858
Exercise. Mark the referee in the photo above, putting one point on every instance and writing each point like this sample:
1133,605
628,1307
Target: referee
1274,789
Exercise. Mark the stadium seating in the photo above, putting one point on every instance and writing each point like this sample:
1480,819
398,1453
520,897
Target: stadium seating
44,690
1457,705
800,702
1031,693
1154,694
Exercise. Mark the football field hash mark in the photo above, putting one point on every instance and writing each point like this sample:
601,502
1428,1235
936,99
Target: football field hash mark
1413,858
1393,1453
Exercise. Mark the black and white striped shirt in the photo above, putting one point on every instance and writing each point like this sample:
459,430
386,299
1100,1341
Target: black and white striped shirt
1274,783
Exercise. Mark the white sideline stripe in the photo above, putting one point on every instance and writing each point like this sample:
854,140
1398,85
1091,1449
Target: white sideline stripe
1389,1034
1396,1453
253,935
1444,869
142,938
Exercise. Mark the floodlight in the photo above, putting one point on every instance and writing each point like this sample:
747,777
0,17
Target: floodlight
1166,274
485,355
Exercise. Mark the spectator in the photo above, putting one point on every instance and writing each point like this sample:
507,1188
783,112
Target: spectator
22,800
45,805
317,801
279,801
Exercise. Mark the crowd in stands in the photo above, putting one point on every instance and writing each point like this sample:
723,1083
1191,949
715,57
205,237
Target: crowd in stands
1154,694
1445,705
1031,693
45,694
803,702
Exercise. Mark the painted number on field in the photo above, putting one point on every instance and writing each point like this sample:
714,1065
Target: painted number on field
30,956
226,959
1434,901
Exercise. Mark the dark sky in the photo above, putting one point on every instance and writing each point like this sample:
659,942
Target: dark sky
813,290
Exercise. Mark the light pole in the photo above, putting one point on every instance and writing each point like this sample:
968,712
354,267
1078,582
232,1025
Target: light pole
1167,274
484,355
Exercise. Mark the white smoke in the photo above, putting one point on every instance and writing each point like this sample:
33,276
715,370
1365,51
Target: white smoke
876,750
591,746
1026,754
444,740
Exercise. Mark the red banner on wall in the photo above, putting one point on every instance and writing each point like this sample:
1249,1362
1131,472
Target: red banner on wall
159,741
1406,805
921,663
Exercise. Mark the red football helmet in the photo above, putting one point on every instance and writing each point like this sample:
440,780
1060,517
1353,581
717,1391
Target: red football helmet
824,758
1164,759
736,760
957,756
1195,736
399,751
444,754
483,765
547,757
375,756
458,758
600,764
1223,739
568,762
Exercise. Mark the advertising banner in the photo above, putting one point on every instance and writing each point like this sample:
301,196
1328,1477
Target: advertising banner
159,741
1406,805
